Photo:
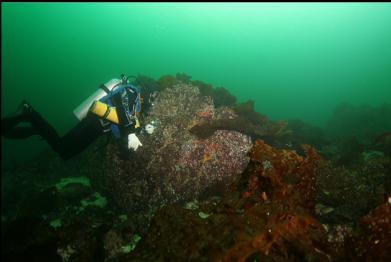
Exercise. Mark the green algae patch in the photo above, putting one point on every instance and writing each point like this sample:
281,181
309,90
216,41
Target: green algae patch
73,180
123,217
56,223
203,215
130,247
99,201
192,205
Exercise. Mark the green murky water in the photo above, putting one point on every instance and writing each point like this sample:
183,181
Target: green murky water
295,60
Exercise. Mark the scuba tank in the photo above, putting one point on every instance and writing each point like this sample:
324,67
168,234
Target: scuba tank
117,103
82,110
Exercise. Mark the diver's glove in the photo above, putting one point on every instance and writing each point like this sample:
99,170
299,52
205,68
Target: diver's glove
133,142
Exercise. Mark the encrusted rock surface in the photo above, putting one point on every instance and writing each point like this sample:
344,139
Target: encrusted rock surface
173,165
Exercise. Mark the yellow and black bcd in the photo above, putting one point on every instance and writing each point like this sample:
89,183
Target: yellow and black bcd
105,111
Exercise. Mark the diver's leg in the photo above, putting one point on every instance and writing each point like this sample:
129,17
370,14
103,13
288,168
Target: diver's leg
39,126
9,122
72,143
79,137
20,132
43,128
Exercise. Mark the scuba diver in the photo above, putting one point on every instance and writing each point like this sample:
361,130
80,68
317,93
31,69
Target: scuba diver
115,107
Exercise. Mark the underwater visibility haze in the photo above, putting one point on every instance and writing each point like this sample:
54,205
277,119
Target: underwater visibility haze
272,112
295,60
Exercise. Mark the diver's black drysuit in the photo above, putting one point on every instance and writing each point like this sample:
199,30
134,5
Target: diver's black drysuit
72,143
85,132
78,138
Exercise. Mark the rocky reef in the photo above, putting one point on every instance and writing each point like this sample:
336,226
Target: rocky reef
268,213
363,122
214,181
172,160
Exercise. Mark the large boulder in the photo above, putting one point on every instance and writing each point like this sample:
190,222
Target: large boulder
174,165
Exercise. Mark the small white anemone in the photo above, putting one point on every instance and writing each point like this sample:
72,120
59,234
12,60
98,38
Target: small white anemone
267,165
149,128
